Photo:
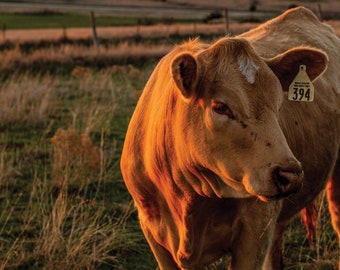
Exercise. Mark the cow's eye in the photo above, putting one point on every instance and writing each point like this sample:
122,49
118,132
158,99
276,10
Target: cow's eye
222,108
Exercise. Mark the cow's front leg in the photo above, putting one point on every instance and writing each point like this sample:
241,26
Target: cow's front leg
254,235
274,260
250,255
164,258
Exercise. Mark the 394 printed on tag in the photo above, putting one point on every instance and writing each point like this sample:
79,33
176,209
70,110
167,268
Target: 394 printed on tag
301,89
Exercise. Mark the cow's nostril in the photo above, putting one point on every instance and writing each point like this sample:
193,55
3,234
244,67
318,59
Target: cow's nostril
288,180
280,177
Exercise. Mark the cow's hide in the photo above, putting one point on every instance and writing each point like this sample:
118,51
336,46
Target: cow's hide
217,159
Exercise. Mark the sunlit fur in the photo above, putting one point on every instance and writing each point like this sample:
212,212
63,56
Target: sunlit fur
206,183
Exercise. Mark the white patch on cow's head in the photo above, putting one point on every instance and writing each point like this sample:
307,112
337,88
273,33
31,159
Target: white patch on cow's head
248,68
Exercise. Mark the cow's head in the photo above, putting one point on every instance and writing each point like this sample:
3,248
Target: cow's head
229,109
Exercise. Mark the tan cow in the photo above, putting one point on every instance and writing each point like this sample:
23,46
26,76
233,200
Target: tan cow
214,146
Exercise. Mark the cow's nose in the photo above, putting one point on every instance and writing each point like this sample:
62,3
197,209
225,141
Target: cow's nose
288,179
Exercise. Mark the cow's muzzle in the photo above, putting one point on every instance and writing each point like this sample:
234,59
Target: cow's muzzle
285,180
288,179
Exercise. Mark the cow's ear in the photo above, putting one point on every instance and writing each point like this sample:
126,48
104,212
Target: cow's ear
184,73
286,65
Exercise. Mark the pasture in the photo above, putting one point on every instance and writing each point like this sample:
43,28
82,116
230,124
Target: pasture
64,110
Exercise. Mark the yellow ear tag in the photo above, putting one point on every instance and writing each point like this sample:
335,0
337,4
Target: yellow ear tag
301,89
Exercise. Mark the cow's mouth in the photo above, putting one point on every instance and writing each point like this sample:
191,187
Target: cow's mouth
280,195
276,197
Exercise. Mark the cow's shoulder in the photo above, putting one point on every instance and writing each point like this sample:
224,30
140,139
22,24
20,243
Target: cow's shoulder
298,14
288,21
295,27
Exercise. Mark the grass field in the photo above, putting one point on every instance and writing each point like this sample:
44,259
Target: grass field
64,207
47,20
64,110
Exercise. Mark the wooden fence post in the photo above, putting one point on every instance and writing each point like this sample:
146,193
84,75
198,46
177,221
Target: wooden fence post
195,29
4,27
226,20
320,12
64,34
95,36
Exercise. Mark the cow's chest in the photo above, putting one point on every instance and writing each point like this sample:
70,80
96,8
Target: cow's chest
214,223
218,225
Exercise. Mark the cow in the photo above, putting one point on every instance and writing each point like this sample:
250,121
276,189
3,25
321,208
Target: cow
227,143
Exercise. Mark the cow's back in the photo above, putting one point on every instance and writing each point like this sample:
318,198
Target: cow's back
309,126
300,27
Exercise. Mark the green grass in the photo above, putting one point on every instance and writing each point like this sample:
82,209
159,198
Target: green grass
58,20
47,19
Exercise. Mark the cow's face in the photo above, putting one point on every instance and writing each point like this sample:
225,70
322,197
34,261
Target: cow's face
234,97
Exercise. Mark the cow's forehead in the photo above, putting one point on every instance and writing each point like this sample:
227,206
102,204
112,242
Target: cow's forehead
241,78
228,56
248,68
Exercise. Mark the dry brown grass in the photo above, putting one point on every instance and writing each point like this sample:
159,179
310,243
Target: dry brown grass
86,244
20,104
73,149
124,52
67,57
48,226
72,234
